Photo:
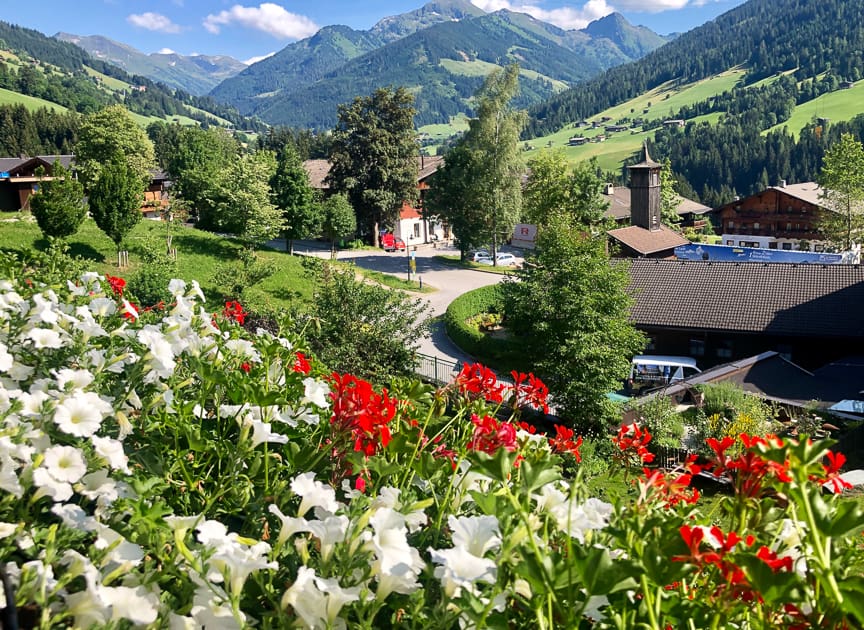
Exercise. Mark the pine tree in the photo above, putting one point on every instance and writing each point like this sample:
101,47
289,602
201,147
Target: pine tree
59,207
116,198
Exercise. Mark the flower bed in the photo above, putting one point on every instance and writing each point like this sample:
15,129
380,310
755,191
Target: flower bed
170,469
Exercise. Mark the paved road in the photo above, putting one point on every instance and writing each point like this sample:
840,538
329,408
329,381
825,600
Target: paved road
450,282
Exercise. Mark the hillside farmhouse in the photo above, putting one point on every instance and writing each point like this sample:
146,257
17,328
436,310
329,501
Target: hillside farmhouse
411,227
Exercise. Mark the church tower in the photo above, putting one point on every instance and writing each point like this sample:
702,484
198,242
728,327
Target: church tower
645,192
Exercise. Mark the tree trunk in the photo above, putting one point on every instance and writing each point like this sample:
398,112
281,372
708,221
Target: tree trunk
289,245
375,241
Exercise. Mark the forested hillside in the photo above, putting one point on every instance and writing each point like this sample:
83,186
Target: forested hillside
62,73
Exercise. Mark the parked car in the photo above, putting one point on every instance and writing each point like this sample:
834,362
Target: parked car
478,254
391,243
504,259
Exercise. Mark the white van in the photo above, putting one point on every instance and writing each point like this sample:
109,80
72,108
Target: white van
654,371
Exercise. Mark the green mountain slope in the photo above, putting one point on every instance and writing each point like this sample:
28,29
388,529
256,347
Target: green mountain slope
194,74
442,64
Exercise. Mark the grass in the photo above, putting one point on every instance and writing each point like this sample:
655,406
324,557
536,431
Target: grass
838,105
199,254
7,97
455,261
108,82
394,282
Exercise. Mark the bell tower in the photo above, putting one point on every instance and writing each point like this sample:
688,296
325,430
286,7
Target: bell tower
645,192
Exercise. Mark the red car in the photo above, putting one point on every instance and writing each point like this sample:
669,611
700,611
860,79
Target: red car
392,243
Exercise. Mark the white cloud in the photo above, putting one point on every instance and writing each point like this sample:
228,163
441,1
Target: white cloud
252,60
574,17
166,51
153,22
267,17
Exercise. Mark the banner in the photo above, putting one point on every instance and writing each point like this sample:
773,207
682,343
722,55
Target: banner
725,253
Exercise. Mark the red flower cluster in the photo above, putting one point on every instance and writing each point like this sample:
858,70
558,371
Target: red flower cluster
832,472
671,489
563,442
359,413
490,435
245,367
530,390
117,284
234,310
301,364
749,470
632,442
479,382
716,555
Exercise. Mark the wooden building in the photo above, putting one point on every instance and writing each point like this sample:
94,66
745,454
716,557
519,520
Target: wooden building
19,178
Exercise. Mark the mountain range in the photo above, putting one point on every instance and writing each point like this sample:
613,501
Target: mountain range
441,52
196,74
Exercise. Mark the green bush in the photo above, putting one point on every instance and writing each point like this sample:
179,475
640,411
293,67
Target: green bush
658,415
461,322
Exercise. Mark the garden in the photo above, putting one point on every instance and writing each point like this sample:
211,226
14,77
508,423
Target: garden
181,467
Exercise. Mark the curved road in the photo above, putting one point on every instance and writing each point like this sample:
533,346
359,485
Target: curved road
450,282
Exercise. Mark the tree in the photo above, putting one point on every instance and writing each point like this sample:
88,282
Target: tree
242,203
570,308
486,167
59,207
842,182
294,197
554,188
116,198
337,220
365,329
374,157
109,134
669,198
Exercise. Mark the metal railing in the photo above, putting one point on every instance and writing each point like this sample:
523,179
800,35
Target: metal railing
436,370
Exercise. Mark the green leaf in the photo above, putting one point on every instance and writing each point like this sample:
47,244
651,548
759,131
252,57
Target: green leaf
497,466
534,477
599,574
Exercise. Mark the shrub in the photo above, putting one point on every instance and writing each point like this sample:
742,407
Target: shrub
462,325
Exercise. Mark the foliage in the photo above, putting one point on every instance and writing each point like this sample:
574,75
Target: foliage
374,158
236,278
555,188
293,195
149,283
40,132
842,181
459,322
658,415
108,135
478,192
59,207
268,494
577,338
364,328
116,198
669,198
243,204
337,220
727,411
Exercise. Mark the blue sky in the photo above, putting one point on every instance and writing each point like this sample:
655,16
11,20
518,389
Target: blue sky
253,30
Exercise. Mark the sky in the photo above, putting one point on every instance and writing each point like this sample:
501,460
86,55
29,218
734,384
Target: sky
249,32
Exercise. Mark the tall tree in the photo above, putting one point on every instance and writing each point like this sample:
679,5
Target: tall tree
669,198
556,188
571,309
337,220
59,207
374,157
294,197
486,166
842,181
116,198
112,134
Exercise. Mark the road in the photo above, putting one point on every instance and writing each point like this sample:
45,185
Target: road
450,282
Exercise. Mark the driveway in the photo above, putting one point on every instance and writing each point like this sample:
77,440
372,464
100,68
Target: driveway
451,282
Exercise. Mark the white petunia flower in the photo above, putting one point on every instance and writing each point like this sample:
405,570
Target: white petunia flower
477,534
129,310
58,491
65,463
263,432
314,494
317,601
98,486
177,287
460,569
243,348
397,564
6,359
32,403
44,338
81,414
74,517
78,379
7,529
315,392
329,532
138,605
290,525
122,552
102,307
111,451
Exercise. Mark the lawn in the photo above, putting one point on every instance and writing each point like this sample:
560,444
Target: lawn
199,254
7,97
838,105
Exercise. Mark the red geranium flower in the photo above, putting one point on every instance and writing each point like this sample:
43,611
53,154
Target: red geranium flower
477,381
533,392
360,414
234,310
245,367
301,364
490,435
632,441
563,442
117,284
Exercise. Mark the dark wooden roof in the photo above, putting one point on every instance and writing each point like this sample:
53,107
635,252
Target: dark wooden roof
319,169
13,164
775,298
647,242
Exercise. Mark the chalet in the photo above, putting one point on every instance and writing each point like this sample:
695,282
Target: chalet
600,138
605,118
718,312
693,214
646,235
779,217
615,128
582,123
411,227
577,141
156,200
673,123
847,85
19,178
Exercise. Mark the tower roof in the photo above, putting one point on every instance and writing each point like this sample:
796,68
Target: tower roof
646,162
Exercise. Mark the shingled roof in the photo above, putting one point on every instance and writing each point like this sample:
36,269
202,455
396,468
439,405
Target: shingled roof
646,242
774,298
319,169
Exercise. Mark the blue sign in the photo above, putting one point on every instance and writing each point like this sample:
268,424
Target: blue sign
725,253
4,174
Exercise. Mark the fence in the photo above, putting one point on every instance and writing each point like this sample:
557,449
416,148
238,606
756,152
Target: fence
436,370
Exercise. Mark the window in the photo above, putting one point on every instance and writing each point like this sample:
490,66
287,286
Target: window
787,246
788,227
731,225
724,349
416,230
756,225
772,245
697,348
730,242
818,247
